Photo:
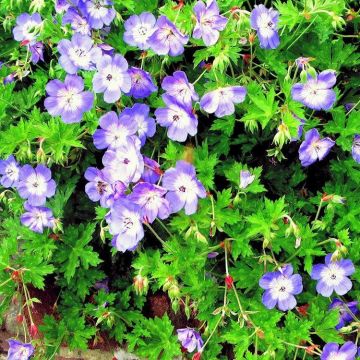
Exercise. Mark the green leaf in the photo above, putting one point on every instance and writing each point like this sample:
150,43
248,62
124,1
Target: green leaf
75,251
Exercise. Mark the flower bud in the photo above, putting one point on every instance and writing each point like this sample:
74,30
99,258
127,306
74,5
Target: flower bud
34,332
141,284
197,356
174,291
229,281
19,318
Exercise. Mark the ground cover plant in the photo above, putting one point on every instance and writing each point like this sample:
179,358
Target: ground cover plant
181,178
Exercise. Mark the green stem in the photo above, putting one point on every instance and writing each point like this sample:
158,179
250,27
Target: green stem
166,246
212,333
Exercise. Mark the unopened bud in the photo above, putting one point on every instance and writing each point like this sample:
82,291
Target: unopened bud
229,281
141,284
34,330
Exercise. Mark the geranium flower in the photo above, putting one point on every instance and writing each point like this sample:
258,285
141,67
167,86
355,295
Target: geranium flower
208,22
125,224
68,99
301,62
142,84
167,39
221,101
355,151
98,12
265,21
280,287
151,200
333,276
114,130
178,86
152,171
36,185
62,5
190,339
138,29
139,115
27,28
246,178
79,53
316,93
36,218
19,351
332,351
112,77
77,21
314,148
183,187
9,169
37,52
178,118
125,163
99,187
346,311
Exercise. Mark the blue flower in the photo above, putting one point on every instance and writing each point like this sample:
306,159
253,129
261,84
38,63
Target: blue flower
265,21
316,93
280,287
313,148
333,276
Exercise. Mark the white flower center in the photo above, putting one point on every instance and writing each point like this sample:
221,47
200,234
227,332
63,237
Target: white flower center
12,171
36,184
70,99
80,57
281,287
337,356
112,77
266,25
332,274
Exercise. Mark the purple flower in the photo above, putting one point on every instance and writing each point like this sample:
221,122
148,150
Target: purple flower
68,99
246,178
36,218
98,12
19,350
125,224
331,351
346,316
115,130
178,86
27,28
124,163
151,172
77,21
280,287
190,339
333,276
106,49
138,29
317,92
221,101
98,187
167,39
349,106
36,185
208,22
62,5
178,118
9,169
78,53
301,62
151,200
139,115
356,148
142,84
9,79
37,52
112,77
313,148
102,285
183,187
264,21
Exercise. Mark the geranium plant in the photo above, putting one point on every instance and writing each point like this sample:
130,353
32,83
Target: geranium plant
180,178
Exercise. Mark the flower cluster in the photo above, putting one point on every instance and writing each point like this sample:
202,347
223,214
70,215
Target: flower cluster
282,285
34,185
